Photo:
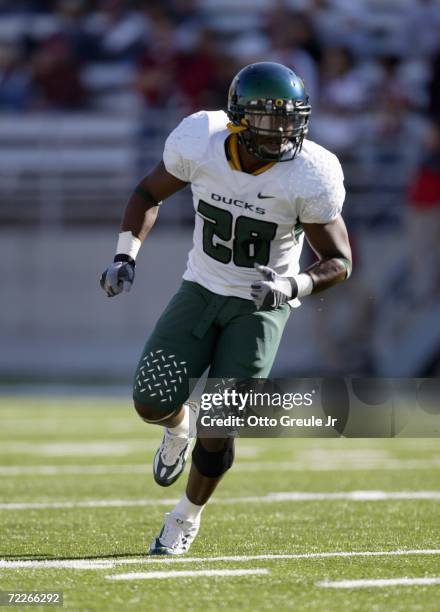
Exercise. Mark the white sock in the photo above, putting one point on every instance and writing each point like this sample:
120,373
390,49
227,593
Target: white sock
182,429
187,509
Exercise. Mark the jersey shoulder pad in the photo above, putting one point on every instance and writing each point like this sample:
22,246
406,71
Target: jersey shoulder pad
186,146
322,189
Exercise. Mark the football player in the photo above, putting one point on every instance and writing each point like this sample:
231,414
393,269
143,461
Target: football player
258,188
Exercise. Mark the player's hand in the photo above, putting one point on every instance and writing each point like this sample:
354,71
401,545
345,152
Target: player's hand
273,290
118,277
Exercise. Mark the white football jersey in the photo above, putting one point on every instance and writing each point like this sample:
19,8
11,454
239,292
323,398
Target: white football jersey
244,218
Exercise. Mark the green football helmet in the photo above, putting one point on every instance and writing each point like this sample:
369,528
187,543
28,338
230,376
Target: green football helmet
269,108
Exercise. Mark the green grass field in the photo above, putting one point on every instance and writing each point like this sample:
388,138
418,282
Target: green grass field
79,504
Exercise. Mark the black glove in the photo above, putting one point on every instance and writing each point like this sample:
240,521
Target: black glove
119,276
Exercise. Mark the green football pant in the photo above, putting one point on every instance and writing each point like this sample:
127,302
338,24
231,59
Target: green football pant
199,329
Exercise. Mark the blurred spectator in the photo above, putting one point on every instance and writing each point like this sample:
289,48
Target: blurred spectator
251,46
343,89
422,28
25,6
398,97
424,221
191,79
188,22
196,74
344,94
156,78
15,83
293,42
56,76
70,19
396,87
119,32
343,21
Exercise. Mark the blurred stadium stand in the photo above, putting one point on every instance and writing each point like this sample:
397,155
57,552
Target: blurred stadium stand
88,93
66,168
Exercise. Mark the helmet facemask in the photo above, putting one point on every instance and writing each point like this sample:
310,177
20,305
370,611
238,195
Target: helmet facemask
275,130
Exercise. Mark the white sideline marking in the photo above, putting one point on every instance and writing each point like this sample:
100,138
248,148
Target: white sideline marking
106,563
383,582
250,466
295,496
192,573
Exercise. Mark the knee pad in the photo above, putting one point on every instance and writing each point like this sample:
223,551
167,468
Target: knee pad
151,415
213,464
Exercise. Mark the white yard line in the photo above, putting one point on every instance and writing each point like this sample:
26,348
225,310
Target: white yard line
69,448
76,564
188,573
347,495
294,496
383,582
108,563
248,466
56,470
96,448
94,503
332,464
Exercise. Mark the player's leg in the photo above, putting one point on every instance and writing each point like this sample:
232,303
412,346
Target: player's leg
172,356
192,344
211,459
246,348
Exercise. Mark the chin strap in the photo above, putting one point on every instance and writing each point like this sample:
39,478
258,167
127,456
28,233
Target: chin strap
234,160
234,157
235,129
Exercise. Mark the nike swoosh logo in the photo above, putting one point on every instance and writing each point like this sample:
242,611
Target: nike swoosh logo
263,197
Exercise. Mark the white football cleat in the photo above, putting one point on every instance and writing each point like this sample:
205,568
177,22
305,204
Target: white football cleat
170,459
175,537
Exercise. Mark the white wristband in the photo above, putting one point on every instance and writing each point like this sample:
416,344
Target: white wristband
305,284
128,245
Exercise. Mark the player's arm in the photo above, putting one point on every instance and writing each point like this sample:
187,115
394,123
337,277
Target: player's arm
331,245
143,205
139,217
